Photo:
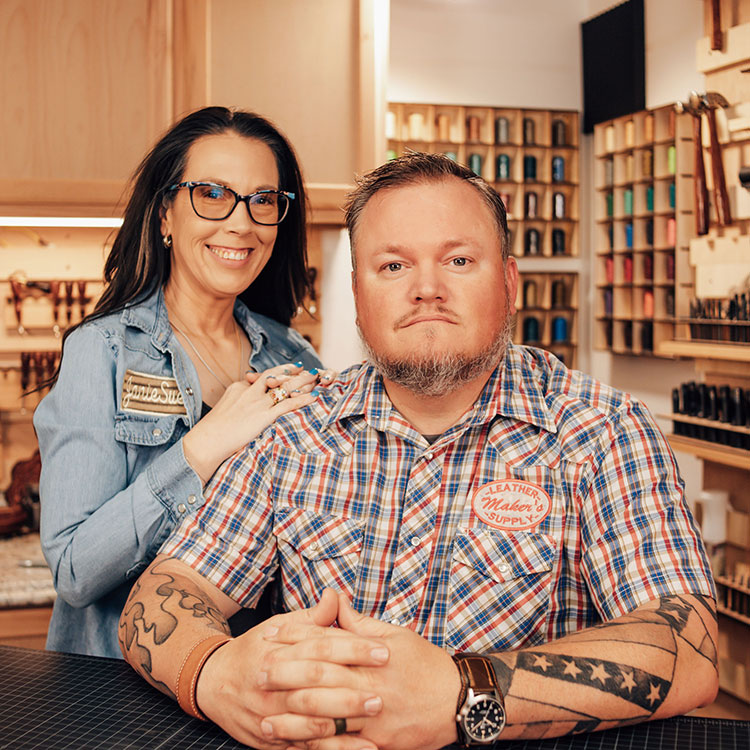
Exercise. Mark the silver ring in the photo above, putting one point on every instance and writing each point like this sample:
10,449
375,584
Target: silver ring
340,725
278,394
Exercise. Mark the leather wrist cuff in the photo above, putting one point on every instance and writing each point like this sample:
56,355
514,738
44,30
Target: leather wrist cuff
187,677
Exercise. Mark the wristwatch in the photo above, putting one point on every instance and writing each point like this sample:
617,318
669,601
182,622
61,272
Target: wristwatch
480,716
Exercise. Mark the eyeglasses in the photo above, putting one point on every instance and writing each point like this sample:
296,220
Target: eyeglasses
216,202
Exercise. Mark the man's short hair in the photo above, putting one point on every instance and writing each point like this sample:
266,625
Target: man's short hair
415,167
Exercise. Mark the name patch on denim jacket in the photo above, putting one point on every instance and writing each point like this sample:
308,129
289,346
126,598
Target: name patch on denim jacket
151,394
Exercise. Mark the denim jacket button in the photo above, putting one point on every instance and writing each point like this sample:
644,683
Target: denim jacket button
156,432
189,391
182,507
191,499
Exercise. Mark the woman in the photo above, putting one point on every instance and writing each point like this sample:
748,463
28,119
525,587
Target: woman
152,395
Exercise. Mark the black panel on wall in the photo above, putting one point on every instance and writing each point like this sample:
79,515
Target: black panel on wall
614,68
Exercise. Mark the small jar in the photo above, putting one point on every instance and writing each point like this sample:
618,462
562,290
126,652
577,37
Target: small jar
532,245
502,167
558,206
530,205
502,130
529,134
558,169
529,168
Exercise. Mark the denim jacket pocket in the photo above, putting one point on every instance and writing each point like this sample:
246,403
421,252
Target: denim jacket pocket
317,551
499,589
144,430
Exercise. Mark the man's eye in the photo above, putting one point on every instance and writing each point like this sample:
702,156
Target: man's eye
460,261
393,267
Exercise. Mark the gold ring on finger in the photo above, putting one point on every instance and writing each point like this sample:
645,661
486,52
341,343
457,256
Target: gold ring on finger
278,395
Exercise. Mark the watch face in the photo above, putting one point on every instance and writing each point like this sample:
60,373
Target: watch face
485,720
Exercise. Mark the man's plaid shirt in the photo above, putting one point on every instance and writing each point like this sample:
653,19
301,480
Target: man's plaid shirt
443,538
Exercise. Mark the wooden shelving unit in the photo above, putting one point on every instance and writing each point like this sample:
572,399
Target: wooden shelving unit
644,223
531,158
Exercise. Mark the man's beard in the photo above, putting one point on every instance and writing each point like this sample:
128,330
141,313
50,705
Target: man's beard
435,374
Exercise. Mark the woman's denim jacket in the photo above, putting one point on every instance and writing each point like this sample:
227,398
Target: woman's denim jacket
114,479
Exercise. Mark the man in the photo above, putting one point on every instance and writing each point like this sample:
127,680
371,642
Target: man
461,494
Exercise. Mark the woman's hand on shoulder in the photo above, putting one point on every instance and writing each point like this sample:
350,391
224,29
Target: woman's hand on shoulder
245,410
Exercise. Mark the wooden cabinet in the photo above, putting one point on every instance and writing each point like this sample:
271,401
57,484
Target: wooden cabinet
530,156
24,626
644,222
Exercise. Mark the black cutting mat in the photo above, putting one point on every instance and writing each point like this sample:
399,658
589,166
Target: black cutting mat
54,701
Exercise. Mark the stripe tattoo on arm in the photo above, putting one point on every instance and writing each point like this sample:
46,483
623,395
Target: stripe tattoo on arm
631,693
140,634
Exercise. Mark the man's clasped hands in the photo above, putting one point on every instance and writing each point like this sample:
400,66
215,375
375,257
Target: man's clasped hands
285,682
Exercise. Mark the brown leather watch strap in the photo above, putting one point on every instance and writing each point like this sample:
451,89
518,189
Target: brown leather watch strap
187,677
480,675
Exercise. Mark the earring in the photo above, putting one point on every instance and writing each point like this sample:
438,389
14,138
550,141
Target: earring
167,240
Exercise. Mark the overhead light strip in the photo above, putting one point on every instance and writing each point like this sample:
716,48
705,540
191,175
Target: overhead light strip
59,221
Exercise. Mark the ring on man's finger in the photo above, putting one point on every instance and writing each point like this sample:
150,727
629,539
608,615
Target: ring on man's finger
340,725
278,395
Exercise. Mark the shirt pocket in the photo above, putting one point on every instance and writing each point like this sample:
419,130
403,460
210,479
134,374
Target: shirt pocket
145,438
316,551
499,589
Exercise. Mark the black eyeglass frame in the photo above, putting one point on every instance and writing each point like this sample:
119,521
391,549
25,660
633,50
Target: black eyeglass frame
192,184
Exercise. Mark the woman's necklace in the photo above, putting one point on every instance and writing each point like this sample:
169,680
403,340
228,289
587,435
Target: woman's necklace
205,364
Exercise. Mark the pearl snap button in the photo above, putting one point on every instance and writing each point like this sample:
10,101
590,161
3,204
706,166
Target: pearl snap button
414,541
189,391
395,621
503,567
156,432
181,507
429,456
314,547
191,499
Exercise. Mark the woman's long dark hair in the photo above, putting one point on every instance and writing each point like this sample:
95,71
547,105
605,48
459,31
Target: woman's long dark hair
138,263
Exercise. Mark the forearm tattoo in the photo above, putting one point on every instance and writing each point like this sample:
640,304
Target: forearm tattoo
141,632
630,693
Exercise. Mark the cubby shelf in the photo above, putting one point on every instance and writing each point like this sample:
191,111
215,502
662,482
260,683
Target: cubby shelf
530,156
643,224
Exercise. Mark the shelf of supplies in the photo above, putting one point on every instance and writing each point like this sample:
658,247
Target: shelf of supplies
705,350
720,454
714,423
721,609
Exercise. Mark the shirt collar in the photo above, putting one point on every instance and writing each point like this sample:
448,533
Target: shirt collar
516,389
150,316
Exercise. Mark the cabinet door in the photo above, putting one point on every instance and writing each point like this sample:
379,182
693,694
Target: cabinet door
84,87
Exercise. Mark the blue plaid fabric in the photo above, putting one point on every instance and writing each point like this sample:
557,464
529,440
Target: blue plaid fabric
553,504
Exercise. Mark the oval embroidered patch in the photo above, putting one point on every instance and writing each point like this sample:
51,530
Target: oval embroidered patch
511,504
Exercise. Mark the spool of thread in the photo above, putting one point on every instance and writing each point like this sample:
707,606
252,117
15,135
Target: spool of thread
451,155
629,134
627,334
609,138
531,245
558,169
610,204
531,330
671,195
472,125
629,235
559,293
627,199
671,231
629,167
648,303
559,134
416,126
502,130
443,127
650,232
609,172
609,269
529,134
529,294
650,198
669,267
648,267
611,236
502,167
671,160
558,241
391,154
559,329
669,303
558,206
608,303
530,205
475,163
648,128
529,168
627,269
647,336
390,125
647,163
